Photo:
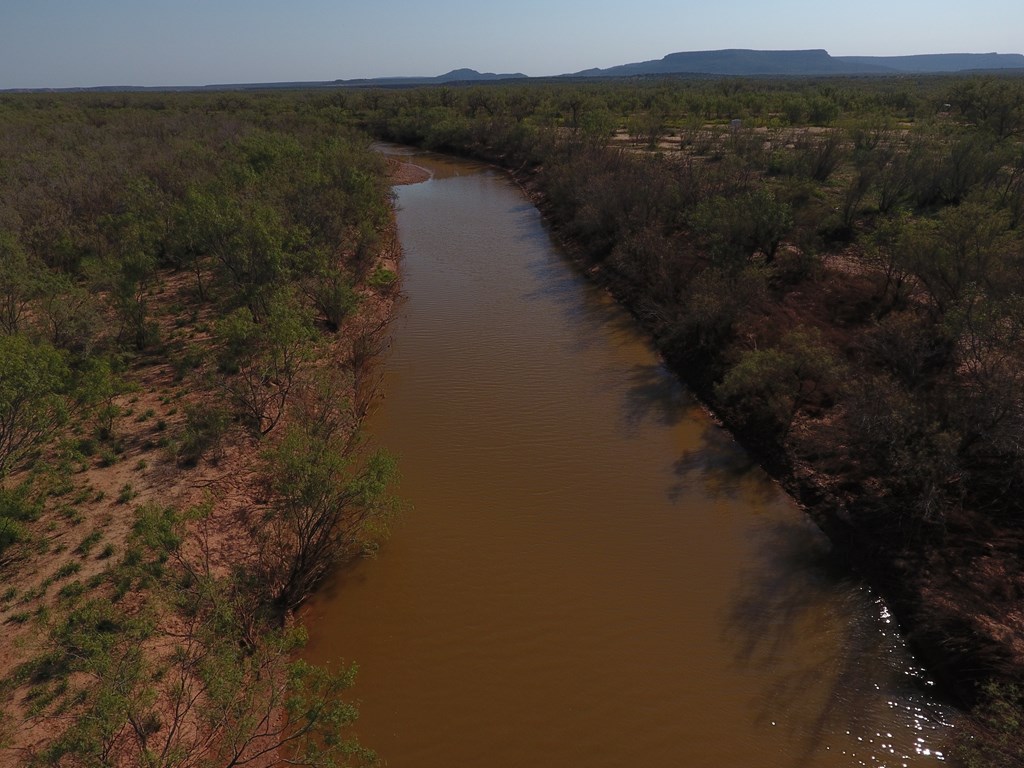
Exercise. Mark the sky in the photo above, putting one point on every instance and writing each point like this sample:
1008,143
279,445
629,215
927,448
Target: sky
74,43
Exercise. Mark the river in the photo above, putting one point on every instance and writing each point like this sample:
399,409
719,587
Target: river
589,572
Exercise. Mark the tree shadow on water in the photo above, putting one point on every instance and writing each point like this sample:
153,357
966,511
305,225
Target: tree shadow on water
807,627
344,577
784,594
595,318
714,463
721,469
655,395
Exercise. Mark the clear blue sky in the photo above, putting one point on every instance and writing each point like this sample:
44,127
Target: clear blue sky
61,43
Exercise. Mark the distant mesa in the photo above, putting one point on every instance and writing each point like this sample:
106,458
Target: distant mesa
455,76
466,75
741,61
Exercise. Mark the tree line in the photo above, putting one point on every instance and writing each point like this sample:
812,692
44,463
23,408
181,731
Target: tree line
227,245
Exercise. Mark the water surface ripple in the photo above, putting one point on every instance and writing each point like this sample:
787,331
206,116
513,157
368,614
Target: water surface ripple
590,573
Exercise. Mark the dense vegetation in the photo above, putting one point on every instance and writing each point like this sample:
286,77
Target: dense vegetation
189,291
836,266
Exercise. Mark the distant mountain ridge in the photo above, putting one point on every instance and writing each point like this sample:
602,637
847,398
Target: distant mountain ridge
941,62
455,76
725,62
743,61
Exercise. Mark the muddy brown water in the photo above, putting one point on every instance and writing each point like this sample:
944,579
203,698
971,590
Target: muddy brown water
589,571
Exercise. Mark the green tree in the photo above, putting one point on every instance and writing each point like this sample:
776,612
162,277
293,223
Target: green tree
994,104
68,314
819,156
135,240
646,127
716,301
963,247
328,504
766,388
96,387
34,383
248,242
886,251
328,287
19,283
989,409
264,359
742,225
196,233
